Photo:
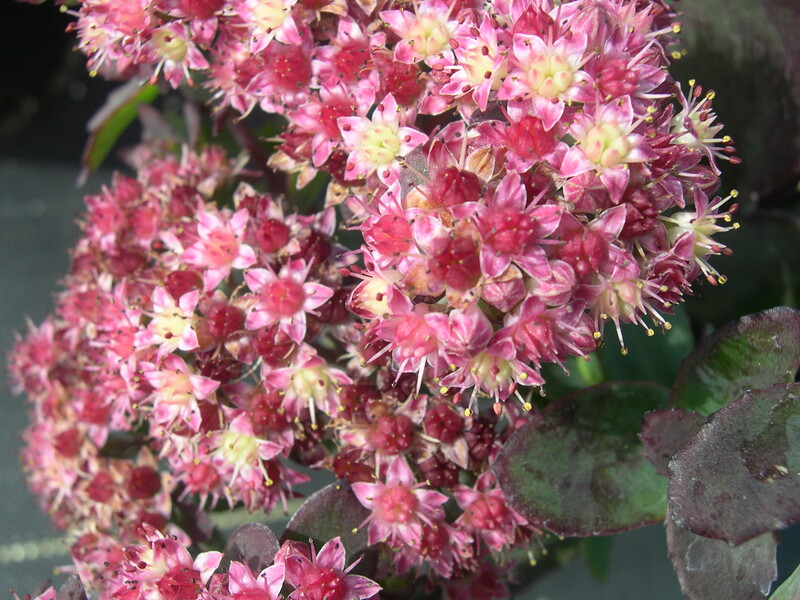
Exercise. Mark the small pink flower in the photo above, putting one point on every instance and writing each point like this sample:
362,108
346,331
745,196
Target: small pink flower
487,515
424,32
607,145
176,392
322,575
546,75
399,506
243,585
221,245
378,144
284,298
309,381
163,566
172,325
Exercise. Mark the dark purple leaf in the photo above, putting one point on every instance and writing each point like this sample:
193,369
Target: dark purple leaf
194,521
748,51
711,569
578,468
253,544
72,589
739,476
753,352
332,511
664,432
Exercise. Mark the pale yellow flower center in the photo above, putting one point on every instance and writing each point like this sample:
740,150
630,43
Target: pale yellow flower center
238,448
428,36
269,14
170,46
381,144
550,76
606,145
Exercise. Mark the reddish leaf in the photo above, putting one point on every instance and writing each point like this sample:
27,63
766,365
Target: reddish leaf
72,589
253,544
578,468
710,569
739,476
753,352
664,432
332,511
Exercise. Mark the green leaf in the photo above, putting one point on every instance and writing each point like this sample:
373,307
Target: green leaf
654,358
709,568
114,117
789,589
753,352
578,468
739,476
762,272
596,553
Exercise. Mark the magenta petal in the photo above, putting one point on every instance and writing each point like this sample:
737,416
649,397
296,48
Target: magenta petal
332,555
366,492
400,472
492,263
207,563
273,576
548,111
616,180
316,295
257,279
361,588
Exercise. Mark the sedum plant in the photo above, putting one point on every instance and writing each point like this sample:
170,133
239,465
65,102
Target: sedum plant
451,203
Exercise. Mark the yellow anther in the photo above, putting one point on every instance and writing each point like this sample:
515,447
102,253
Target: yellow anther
692,82
667,325
523,376
722,280
443,390
597,335
675,55
650,333
734,193
676,28
663,288
736,225
467,412
623,351
711,95
726,139
527,406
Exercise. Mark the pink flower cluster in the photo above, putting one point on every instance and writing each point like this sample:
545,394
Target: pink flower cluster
522,172
170,368
512,165
187,361
159,566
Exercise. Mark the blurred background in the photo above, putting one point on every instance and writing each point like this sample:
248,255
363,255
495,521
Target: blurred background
746,50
